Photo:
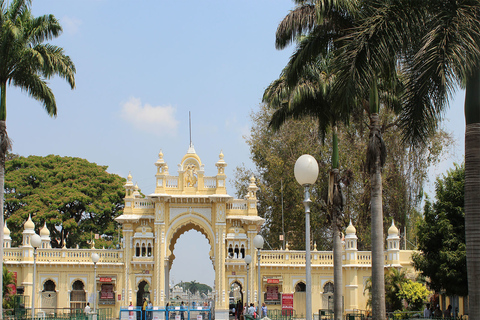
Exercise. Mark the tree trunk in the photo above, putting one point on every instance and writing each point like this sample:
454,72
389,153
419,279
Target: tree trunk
378,255
472,191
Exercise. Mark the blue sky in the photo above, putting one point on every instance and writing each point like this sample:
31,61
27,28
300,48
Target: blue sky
142,66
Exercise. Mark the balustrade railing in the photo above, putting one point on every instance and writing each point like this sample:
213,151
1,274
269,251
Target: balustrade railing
144,204
66,255
171,182
210,182
237,204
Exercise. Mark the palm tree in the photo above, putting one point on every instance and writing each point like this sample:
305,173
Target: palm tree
27,62
336,20
311,97
438,45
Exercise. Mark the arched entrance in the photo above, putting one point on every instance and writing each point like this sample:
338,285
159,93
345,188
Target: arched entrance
190,201
299,299
143,292
49,295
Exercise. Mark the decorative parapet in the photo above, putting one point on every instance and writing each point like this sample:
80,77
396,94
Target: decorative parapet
318,258
56,255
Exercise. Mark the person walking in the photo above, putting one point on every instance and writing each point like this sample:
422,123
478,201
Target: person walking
87,309
144,308
427,313
264,311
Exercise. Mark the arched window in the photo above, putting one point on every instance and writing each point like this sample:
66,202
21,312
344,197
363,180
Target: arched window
242,252
137,250
328,287
49,285
230,252
77,296
237,251
149,250
300,287
144,250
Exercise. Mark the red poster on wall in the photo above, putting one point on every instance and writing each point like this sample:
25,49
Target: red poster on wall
287,301
272,292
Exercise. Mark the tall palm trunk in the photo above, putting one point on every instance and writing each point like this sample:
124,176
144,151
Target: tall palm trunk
472,191
336,207
378,255
376,154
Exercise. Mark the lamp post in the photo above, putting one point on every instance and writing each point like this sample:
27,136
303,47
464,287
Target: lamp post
36,242
258,243
248,260
95,258
306,173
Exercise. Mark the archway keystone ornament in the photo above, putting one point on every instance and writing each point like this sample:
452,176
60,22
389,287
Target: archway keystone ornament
181,203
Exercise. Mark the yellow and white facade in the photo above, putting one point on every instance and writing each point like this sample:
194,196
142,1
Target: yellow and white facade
151,226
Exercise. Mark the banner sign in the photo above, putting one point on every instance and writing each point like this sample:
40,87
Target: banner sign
273,280
287,301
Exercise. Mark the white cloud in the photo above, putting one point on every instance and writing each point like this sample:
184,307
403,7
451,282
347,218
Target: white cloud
159,120
70,25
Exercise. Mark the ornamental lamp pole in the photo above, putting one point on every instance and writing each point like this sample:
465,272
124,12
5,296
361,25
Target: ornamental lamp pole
306,173
95,259
248,260
258,243
36,242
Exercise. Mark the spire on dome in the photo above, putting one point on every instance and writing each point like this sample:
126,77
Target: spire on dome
29,225
6,231
351,229
393,229
44,231
129,180
191,149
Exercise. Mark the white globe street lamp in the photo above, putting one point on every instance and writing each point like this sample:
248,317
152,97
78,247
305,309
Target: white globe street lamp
258,243
95,259
36,242
248,260
306,173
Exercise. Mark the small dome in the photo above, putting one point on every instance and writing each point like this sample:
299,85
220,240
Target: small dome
44,231
351,229
393,230
6,231
29,225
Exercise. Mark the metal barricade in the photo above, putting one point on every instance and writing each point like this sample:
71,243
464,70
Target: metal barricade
162,313
155,313
130,313
199,313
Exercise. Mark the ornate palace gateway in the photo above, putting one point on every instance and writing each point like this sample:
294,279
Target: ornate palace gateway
151,225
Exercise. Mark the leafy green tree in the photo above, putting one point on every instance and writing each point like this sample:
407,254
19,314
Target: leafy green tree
75,198
27,62
394,281
441,236
414,293
7,280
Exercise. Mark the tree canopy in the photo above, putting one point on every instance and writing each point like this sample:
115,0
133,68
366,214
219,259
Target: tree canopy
274,154
441,236
75,198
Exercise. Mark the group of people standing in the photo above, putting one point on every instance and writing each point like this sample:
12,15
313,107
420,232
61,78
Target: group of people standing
250,310
437,313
